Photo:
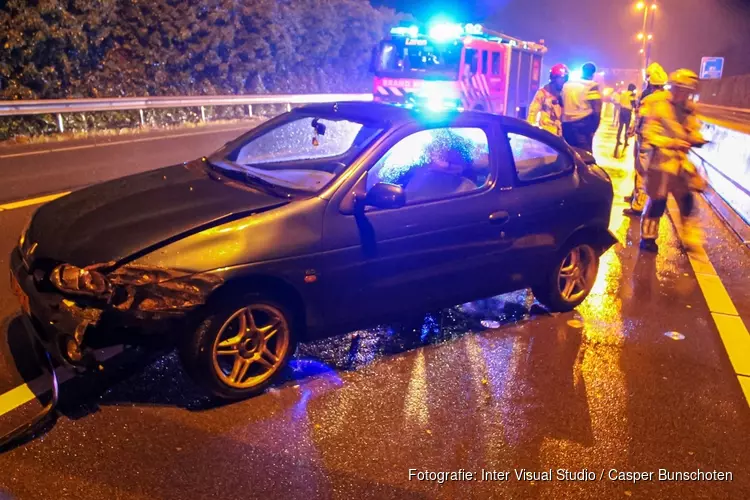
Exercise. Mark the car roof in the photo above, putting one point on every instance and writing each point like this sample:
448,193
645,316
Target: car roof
398,115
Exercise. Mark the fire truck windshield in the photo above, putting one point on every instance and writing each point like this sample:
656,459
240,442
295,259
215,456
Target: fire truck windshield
406,56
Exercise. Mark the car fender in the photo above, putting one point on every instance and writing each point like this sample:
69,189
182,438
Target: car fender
600,237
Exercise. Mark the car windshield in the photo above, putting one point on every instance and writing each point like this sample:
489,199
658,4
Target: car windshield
304,153
404,57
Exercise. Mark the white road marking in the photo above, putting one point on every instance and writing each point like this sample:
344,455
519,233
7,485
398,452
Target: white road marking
32,201
105,144
24,393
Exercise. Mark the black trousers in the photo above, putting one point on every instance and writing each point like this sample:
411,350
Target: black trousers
625,116
580,133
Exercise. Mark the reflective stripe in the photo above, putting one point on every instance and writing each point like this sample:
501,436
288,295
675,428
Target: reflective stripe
382,90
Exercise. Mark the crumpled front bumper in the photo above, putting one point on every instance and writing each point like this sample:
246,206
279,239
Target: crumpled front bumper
149,307
50,321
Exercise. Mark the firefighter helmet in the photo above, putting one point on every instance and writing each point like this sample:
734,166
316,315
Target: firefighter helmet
653,67
657,76
684,78
559,70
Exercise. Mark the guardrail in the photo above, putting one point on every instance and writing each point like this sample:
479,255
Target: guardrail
737,118
61,106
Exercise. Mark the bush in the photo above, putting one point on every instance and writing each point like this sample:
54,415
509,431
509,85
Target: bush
117,48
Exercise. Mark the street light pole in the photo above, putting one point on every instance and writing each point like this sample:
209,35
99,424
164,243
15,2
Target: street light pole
648,38
643,41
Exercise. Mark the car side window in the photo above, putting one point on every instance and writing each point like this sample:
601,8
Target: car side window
436,163
534,160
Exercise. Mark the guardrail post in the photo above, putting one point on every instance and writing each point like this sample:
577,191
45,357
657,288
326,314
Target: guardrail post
60,125
250,110
143,121
203,113
289,107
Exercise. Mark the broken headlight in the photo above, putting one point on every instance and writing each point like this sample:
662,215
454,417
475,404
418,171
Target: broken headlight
79,281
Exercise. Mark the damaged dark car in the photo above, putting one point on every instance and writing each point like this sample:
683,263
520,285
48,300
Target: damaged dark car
322,220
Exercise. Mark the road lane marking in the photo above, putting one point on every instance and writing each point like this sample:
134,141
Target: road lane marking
716,295
736,340
732,330
116,143
745,384
32,201
24,393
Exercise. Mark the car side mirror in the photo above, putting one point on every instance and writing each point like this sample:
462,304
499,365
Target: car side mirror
384,195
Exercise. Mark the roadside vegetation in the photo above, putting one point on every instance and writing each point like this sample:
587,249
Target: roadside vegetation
117,48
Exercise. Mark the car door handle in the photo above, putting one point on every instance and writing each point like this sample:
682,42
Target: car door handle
500,217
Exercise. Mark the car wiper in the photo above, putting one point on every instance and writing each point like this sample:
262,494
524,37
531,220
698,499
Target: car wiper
248,178
267,185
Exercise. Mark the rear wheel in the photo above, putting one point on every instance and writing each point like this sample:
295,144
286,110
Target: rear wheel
237,351
571,279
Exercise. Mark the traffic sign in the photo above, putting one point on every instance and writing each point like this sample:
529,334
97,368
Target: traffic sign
711,67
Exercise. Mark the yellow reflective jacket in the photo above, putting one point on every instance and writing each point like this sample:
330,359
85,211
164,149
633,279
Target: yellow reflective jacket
545,111
665,124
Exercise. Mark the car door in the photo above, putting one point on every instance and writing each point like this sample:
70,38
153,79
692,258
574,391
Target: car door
541,197
432,250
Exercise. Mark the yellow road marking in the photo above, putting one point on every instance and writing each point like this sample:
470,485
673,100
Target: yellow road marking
736,341
24,393
716,295
731,328
32,201
745,384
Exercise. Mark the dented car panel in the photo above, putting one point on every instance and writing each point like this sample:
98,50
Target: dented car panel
277,234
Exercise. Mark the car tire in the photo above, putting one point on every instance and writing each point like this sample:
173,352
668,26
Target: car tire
238,350
571,279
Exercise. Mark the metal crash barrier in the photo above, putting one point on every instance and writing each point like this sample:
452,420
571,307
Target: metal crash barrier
726,162
61,106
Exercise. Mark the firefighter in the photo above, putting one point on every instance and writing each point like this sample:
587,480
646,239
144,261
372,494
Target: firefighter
615,107
545,110
627,103
582,109
671,128
656,79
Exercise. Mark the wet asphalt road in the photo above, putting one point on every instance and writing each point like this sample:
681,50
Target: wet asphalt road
598,389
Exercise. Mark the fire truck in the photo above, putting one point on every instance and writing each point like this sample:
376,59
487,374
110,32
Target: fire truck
454,65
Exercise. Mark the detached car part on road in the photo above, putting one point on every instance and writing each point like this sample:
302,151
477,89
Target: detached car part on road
322,220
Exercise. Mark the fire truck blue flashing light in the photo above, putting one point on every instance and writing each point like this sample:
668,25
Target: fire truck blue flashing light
411,31
440,31
446,31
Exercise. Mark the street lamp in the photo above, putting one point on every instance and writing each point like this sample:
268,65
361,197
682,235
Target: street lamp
646,39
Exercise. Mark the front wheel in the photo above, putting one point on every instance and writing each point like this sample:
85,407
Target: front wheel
237,351
571,279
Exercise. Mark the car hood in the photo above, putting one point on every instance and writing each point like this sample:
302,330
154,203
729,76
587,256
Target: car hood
120,219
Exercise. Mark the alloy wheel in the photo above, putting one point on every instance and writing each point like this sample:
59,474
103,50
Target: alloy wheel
250,346
577,273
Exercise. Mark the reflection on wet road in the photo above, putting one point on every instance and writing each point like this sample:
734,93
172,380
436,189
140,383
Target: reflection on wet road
498,384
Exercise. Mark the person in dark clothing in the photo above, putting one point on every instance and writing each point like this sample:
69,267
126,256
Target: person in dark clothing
628,102
582,108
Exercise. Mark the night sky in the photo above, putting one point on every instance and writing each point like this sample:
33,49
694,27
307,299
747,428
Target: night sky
604,30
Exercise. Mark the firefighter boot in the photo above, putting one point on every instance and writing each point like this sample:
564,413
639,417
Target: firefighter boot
650,224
